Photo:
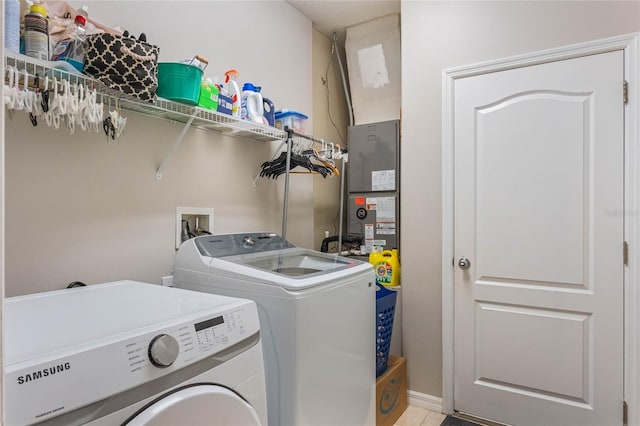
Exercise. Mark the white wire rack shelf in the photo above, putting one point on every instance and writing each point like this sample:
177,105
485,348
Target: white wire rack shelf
204,119
160,108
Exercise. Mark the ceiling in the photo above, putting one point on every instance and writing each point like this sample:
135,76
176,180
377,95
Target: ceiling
330,15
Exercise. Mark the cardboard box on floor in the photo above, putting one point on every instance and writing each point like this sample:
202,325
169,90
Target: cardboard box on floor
391,392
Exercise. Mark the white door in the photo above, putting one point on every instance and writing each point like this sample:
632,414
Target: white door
538,203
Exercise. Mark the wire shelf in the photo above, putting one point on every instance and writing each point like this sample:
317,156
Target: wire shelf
190,116
204,119
160,108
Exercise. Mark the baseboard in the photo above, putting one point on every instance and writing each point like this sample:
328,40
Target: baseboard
422,400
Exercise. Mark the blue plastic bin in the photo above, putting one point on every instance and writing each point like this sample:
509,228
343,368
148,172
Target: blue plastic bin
385,308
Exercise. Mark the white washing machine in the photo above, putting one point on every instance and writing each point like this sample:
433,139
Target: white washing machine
129,353
317,313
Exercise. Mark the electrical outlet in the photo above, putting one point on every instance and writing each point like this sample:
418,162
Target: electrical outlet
167,281
199,221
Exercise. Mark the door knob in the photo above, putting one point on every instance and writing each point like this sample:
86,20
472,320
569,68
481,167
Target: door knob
464,263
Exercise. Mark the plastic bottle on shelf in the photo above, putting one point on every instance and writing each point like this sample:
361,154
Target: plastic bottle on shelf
71,47
230,77
252,108
269,111
247,91
12,25
36,33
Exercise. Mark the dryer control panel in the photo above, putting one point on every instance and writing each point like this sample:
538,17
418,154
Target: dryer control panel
189,342
112,365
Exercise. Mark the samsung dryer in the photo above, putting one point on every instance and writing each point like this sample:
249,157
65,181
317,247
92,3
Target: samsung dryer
129,353
317,313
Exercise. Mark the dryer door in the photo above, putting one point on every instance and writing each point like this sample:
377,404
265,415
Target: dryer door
197,405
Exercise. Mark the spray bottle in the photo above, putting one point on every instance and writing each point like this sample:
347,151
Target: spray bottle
230,77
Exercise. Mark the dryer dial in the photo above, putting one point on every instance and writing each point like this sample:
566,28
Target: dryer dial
163,350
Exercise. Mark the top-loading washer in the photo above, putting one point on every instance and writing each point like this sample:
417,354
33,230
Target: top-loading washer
317,313
129,353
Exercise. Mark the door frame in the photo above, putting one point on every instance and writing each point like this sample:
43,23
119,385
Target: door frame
630,44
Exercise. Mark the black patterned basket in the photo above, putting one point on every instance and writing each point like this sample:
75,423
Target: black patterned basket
124,64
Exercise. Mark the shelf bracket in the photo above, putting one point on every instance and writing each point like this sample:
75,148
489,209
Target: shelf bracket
176,144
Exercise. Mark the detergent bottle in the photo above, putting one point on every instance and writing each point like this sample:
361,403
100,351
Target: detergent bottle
230,77
269,111
251,105
386,266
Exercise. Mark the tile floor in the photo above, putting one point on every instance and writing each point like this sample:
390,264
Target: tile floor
414,416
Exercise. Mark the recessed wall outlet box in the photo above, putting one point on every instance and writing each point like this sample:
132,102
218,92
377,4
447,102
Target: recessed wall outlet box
167,281
199,221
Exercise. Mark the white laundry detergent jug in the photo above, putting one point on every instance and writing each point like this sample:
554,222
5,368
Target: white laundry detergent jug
252,108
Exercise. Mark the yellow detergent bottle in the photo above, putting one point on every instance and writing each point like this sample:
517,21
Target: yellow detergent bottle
386,266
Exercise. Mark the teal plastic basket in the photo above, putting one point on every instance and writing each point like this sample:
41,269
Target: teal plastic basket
179,82
385,309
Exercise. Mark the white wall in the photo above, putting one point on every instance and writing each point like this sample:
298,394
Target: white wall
79,208
328,99
444,34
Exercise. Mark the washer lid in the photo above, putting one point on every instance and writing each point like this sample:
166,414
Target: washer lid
266,258
41,323
298,263
234,244
294,269
197,405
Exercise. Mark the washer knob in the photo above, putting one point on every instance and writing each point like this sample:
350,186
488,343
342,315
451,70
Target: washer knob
163,350
248,242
